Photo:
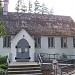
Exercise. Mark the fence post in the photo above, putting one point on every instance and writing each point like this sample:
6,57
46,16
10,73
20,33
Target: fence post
55,66
61,71
70,59
54,56
49,57
67,69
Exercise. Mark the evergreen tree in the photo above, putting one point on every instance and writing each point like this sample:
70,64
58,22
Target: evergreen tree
51,11
23,7
2,28
30,7
18,5
44,9
1,8
37,7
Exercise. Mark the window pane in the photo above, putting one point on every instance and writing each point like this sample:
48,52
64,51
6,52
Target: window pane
19,50
74,42
6,41
48,42
26,49
37,42
51,42
9,38
63,42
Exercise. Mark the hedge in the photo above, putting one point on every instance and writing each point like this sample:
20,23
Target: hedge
3,66
2,71
3,59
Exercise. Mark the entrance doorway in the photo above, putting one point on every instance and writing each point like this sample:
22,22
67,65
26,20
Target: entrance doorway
22,52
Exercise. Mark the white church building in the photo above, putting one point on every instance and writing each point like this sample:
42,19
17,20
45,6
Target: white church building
28,33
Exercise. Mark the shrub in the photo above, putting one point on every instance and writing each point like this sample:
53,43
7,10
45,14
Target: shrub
2,72
3,59
3,66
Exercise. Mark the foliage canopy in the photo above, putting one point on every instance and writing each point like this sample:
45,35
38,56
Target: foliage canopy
32,8
2,28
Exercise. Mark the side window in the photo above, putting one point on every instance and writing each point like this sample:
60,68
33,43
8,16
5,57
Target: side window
37,42
63,42
51,42
6,41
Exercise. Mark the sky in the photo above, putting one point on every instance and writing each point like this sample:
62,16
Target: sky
60,7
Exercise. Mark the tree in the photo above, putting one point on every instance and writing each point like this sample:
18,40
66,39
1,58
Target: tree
2,28
44,9
18,5
37,7
51,11
23,7
30,7
1,8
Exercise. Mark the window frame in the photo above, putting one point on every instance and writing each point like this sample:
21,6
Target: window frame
37,42
6,42
63,44
50,45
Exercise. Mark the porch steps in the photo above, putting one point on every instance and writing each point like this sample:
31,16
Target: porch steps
27,74
24,68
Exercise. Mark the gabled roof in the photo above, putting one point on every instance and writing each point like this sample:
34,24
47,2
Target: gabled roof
39,24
